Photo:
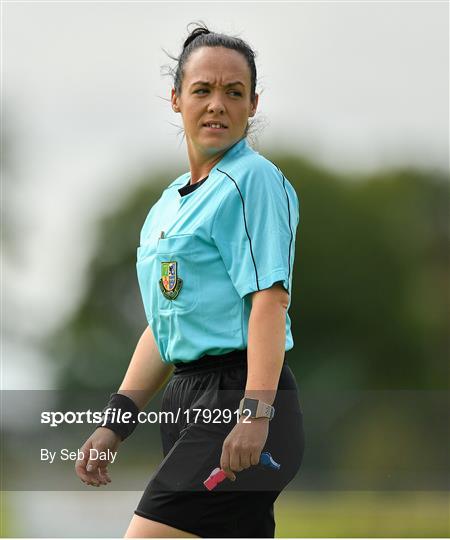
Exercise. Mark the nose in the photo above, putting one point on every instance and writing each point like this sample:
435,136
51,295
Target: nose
216,106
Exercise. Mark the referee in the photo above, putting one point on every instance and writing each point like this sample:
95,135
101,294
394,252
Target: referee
215,268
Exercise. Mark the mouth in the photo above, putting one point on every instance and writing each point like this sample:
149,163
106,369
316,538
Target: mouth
217,126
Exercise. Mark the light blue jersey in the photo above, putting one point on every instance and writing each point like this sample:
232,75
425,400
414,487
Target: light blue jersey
202,253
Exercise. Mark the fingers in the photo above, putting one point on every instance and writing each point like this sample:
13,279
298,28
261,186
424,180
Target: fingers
225,463
104,475
90,478
98,472
92,465
96,477
234,459
92,472
245,459
102,472
80,464
255,456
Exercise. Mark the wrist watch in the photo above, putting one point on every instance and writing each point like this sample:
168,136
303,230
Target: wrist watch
257,408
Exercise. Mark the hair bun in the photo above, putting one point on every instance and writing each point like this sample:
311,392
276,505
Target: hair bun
199,31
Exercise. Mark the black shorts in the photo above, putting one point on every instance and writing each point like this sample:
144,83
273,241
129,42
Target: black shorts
192,448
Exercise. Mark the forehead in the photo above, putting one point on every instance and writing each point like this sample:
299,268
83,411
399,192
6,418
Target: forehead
216,64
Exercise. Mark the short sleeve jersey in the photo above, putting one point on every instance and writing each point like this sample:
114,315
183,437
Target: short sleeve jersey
203,251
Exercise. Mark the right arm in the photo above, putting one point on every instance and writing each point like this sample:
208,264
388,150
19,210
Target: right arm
145,375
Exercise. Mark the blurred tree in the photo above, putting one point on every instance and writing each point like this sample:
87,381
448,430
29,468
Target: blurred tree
371,278
370,290
94,349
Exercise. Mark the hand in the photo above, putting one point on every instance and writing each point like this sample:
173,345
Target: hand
243,445
91,470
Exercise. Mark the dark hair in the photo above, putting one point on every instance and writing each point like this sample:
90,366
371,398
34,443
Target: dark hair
201,36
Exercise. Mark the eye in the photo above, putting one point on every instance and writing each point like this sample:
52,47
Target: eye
236,92
200,90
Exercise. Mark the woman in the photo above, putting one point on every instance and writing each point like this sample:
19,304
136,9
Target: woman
215,270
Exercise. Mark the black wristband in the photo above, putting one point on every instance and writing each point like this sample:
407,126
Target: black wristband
120,415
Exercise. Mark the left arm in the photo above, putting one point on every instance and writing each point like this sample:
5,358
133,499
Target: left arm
265,354
266,342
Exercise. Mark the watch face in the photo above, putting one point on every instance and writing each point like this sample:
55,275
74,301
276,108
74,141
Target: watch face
250,405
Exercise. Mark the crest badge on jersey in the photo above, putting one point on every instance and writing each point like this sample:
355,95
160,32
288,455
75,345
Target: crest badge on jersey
170,284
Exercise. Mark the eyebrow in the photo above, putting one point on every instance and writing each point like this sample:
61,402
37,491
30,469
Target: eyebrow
206,83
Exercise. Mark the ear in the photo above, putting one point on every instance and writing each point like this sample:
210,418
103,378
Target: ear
254,106
174,100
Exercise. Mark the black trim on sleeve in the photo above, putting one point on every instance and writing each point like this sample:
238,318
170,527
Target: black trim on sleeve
289,220
245,224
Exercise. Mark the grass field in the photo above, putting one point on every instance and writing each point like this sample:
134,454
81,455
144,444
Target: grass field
362,514
5,516
298,514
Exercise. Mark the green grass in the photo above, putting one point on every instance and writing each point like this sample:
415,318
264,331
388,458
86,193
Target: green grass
362,514
5,519
346,514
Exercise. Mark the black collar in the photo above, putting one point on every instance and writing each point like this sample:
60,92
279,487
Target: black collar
188,188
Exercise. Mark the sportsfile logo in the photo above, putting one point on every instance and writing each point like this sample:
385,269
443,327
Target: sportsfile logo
112,415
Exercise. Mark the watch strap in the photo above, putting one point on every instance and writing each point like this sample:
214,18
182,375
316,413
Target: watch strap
257,408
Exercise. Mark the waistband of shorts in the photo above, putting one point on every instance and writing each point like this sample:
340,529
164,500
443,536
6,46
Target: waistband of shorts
238,357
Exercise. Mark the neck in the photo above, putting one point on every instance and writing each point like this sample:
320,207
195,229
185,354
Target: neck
201,164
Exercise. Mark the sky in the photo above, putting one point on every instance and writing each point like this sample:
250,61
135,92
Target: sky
355,86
